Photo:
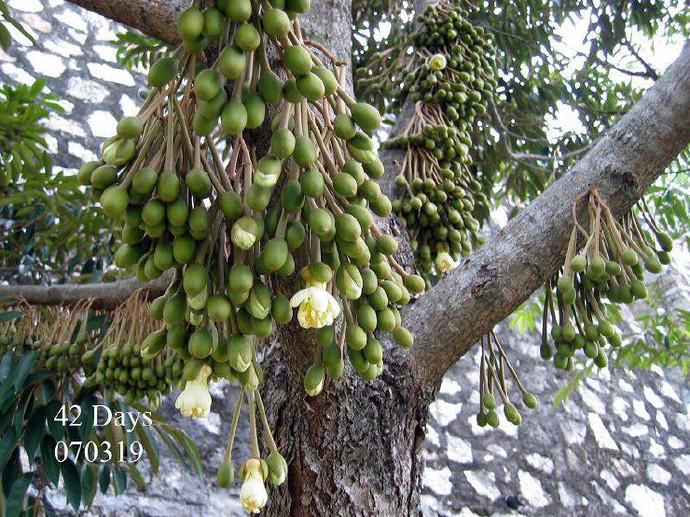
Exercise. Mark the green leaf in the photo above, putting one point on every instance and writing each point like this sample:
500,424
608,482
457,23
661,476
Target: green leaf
56,427
120,479
150,445
172,446
10,315
35,428
6,368
51,467
89,486
7,445
190,448
24,368
104,478
12,471
15,499
70,475
87,416
136,476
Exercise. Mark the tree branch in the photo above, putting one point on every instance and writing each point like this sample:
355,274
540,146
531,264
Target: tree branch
157,18
105,295
494,280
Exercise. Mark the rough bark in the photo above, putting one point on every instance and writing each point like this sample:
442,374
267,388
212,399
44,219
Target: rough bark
494,280
156,18
353,450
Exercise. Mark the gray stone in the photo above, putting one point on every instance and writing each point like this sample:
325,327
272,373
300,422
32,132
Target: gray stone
573,432
438,480
636,430
86,90
484,483
658,474
444,412
601,434
653,398
110,74
102,124
610,479
28,6
645,501
640,409
532,491
540,462
683,463
458,450
449,386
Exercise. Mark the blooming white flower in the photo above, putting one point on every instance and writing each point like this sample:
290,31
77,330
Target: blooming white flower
437,62
195,400
317,307
444,262
253,495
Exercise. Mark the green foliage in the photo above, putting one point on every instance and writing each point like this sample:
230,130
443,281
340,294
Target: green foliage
6,18
669,199
136,50
563,394
48,225
527,316
664,340
23,154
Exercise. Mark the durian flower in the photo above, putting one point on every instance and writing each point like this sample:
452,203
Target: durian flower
195,400
444,262
253,495
437,62
317,307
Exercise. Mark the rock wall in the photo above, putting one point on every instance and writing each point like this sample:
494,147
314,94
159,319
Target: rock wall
621,445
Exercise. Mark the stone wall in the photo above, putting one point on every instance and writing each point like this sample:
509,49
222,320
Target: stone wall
621,445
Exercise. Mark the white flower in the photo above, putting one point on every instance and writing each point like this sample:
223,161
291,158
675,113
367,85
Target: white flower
317,307
253,493
195,400
444,262
437,62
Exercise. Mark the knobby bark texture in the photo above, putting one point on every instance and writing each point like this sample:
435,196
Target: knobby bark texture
352,450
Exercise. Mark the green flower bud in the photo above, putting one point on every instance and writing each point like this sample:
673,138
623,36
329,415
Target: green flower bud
277,468
244,233
349,281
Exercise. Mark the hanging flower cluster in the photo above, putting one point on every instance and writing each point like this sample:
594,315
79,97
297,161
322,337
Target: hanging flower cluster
202,192
449,78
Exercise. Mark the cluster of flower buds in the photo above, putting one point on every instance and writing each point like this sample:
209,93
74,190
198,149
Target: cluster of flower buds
118,364
494,368
605,264
237,217
450,80
58,335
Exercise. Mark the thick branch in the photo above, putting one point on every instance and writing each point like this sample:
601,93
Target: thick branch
494,280
105,295
156,18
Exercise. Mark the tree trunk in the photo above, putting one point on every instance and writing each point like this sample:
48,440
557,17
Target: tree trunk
352,450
